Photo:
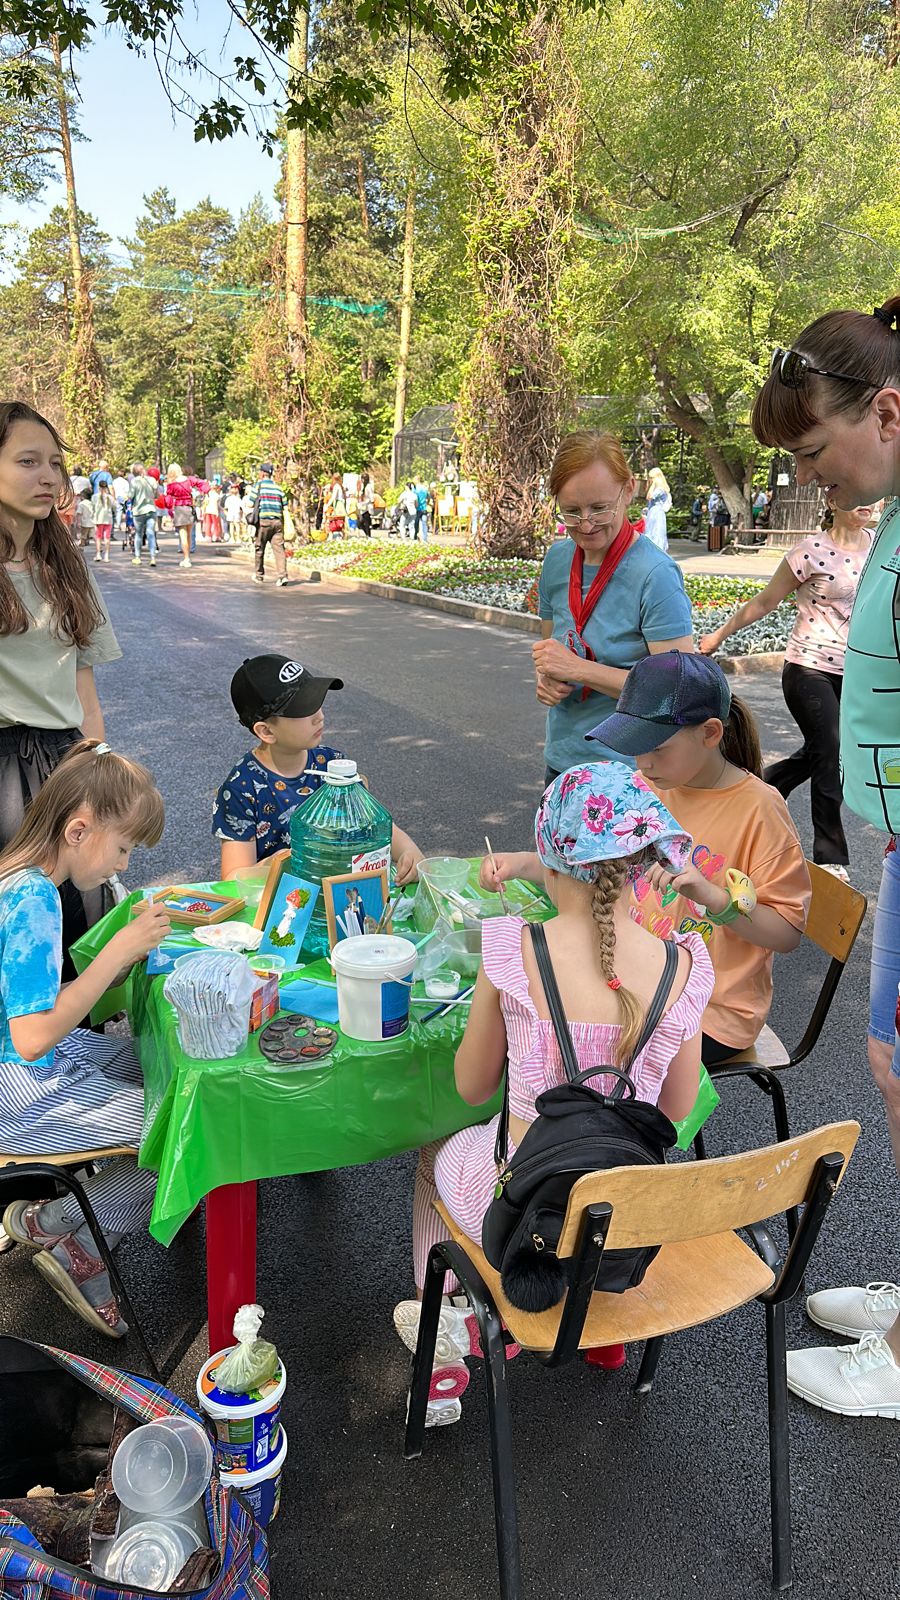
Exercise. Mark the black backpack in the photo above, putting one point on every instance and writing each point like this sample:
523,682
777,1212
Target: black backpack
577,1130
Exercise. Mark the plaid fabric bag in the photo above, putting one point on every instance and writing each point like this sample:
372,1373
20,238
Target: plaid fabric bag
45,1392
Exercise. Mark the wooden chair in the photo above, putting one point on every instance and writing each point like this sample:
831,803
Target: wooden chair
703,1270
836,915
462,516
444,514
60,1170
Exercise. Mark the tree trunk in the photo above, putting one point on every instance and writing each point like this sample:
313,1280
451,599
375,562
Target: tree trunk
295,410
361,185
730,471
406,293
82,382
517,394
190,426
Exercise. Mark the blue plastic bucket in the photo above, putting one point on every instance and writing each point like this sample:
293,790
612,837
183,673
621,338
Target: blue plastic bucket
261,1490
246,1424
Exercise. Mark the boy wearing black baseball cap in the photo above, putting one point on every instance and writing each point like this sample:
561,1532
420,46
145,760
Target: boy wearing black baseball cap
280,701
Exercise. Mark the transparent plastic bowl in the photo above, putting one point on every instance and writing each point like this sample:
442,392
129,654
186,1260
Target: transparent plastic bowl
163,1467
150,1555
445,872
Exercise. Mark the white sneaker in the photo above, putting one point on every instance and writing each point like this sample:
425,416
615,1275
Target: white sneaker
854,1311
456,1328
187,562
855,1380
836,870
444,1406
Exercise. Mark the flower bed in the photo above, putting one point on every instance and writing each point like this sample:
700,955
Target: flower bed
511,585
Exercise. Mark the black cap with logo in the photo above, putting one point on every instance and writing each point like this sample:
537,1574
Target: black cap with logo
276,686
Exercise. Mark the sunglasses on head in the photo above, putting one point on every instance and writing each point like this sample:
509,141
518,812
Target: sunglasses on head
793,370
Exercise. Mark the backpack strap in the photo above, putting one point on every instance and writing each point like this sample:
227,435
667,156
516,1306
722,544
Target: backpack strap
560,1022
564,1038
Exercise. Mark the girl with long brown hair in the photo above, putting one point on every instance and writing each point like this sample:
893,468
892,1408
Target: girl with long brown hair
607,597
54,628
597,827
63,1087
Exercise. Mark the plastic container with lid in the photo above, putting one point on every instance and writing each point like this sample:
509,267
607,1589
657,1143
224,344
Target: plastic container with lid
262,1489
150,1555
341,828
247,1425
162,1468
374,980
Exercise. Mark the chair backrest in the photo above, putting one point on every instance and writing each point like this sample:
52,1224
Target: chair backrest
694,1199
836,913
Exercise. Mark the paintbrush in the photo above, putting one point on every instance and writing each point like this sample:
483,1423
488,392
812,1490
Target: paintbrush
493,861
446,1004
389,910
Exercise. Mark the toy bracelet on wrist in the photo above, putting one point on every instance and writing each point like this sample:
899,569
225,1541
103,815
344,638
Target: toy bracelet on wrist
742,901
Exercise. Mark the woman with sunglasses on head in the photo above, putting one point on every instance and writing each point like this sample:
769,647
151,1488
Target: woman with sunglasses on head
606,597
823,571
833,400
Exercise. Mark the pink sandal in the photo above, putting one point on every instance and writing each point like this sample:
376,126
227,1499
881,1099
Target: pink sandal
67,1277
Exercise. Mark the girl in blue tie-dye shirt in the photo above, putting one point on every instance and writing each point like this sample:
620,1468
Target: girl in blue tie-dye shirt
63,1087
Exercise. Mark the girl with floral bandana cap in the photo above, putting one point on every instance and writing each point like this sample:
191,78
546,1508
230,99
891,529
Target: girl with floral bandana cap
598,826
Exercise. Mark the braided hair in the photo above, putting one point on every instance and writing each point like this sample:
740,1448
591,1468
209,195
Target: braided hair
609,881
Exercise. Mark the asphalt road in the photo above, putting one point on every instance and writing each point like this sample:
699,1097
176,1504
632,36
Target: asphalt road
667,1497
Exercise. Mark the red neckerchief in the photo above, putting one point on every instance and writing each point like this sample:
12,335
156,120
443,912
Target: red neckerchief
582,606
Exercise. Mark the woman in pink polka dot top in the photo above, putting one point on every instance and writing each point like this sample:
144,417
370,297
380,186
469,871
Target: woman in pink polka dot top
824,571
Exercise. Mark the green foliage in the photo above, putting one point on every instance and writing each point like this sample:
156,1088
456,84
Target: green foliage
738,178
246,444
469,41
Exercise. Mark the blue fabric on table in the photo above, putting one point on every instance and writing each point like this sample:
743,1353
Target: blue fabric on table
313,999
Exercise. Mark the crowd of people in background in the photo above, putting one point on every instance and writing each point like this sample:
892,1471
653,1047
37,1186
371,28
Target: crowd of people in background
140,505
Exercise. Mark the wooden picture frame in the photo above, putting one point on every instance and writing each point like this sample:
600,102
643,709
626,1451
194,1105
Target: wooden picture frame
197,908
285,908
372,897
277,864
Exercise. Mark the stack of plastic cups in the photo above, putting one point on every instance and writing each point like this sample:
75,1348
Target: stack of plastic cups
160,1474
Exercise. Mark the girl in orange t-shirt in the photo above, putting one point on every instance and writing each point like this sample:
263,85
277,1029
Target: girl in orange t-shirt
699,750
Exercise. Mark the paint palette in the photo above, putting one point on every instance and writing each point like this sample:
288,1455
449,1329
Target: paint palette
295,1040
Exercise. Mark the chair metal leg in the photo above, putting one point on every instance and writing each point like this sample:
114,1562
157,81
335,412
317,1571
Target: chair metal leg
643,1383
779,1447
699,1145
771,1084
506,1520
423,1359
67,1181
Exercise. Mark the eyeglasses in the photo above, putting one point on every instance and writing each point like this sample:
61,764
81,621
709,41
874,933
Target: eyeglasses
597,517
794,368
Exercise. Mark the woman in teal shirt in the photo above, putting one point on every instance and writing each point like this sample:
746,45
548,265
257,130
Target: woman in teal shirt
833,400
607,597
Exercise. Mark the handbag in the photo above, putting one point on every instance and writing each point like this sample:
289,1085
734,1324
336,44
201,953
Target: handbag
577,1130
252,516
61,1417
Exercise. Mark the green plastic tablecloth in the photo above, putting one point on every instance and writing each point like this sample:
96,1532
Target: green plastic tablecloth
209,1123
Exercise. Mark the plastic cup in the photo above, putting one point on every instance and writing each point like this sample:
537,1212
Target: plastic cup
150,1555
162,1468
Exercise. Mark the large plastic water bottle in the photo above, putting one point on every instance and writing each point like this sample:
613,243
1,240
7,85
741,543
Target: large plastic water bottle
340,828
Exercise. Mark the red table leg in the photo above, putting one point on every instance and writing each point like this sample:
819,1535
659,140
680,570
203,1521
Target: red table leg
230,1258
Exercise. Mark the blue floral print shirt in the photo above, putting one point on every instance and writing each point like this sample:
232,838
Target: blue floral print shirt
254,803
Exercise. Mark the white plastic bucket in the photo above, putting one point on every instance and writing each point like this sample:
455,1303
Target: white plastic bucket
373,973
246,1424
261,1490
